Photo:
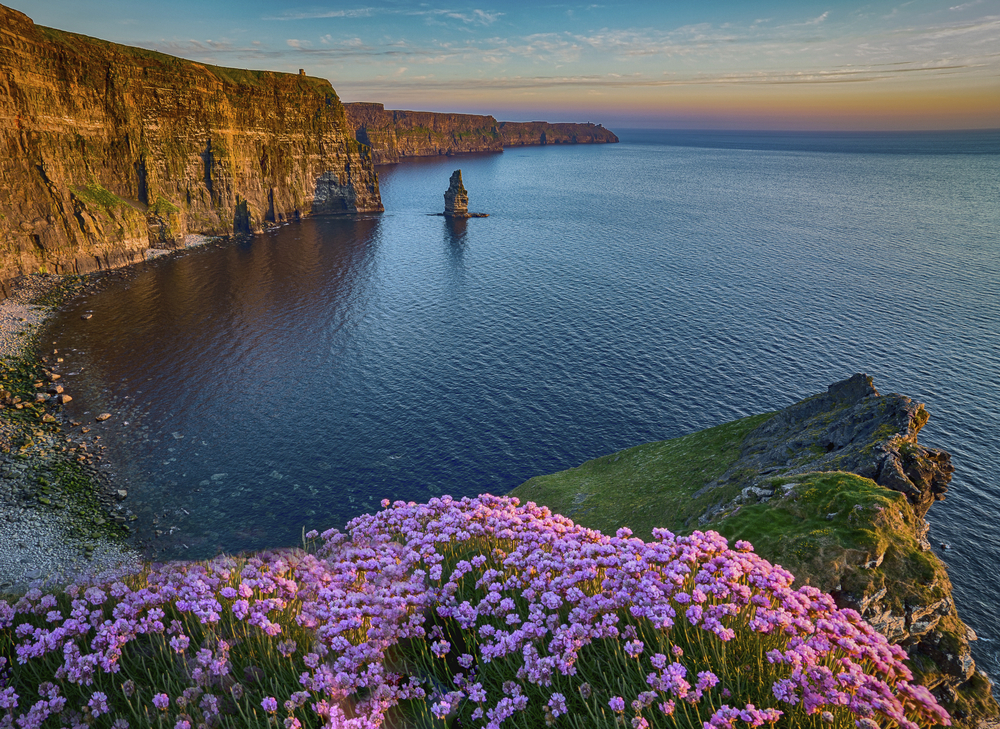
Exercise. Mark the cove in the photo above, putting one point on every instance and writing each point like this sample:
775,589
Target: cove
616,295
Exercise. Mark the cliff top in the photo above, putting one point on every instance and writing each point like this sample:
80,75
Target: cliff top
15,22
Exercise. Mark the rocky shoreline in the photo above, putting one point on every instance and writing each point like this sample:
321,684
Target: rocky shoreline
60,516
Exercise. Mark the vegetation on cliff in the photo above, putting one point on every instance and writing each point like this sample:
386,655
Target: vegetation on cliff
110,150
477,612
833,488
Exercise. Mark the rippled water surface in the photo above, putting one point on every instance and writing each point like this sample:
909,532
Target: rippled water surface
616,294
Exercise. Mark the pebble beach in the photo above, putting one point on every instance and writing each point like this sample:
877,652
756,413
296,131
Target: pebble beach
43,543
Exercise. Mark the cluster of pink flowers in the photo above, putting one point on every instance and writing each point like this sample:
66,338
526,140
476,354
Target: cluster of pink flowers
478,583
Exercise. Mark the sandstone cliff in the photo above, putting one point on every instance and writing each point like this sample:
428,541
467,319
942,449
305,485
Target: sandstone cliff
109,150
394,135
835,488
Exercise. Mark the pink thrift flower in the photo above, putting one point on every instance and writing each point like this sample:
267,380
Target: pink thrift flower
98,703
269,704
617,703
161,701
634,648
557,704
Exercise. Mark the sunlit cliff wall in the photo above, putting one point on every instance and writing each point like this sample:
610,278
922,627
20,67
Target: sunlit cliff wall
108,150
395,134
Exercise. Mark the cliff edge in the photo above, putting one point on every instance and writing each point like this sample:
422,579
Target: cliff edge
109,150
834,488
395,134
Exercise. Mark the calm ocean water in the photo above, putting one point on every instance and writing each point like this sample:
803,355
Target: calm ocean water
616,294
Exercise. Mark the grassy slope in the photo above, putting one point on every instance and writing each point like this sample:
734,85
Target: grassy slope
826,529
646,486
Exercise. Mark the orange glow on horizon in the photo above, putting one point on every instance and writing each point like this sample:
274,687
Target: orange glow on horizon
873,106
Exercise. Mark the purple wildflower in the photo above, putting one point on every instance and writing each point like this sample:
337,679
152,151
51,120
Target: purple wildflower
98,703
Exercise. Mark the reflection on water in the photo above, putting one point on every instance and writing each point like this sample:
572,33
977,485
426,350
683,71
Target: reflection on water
617,294
206,356
455,230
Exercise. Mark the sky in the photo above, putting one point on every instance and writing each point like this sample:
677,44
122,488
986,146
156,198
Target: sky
721,64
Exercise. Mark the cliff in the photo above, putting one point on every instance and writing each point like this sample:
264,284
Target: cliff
109,150
834,488
394,135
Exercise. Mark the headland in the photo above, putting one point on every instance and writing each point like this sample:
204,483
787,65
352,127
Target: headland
834,488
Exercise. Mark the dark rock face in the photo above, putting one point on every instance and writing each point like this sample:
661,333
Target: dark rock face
395,134
108,150
852,428
456,199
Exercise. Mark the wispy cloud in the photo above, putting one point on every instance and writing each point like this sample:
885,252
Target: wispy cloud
609,81
470,17
318,14
818,49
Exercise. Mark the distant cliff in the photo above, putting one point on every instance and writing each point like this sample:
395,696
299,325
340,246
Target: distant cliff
109,150
394,135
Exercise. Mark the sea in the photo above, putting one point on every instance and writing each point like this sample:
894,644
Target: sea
616,294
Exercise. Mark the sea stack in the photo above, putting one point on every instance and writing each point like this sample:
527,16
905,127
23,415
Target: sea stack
456,200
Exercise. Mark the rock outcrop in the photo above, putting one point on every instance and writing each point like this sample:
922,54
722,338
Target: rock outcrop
394,134
848,428
526,134
456,199
897,584
109,150
835,488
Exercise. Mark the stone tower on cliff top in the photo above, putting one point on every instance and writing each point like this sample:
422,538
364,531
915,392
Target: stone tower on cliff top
456,199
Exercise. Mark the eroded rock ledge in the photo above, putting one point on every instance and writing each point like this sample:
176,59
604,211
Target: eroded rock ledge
834,488
853,429
108,150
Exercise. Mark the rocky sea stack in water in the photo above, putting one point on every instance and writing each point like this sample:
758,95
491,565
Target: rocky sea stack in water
456,199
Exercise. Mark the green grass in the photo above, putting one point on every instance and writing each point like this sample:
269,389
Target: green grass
830,525
648,486
825,529
95,194
162,206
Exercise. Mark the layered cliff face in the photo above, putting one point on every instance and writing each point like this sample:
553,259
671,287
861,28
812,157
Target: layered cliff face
524,134
394,135
834,488
109,150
